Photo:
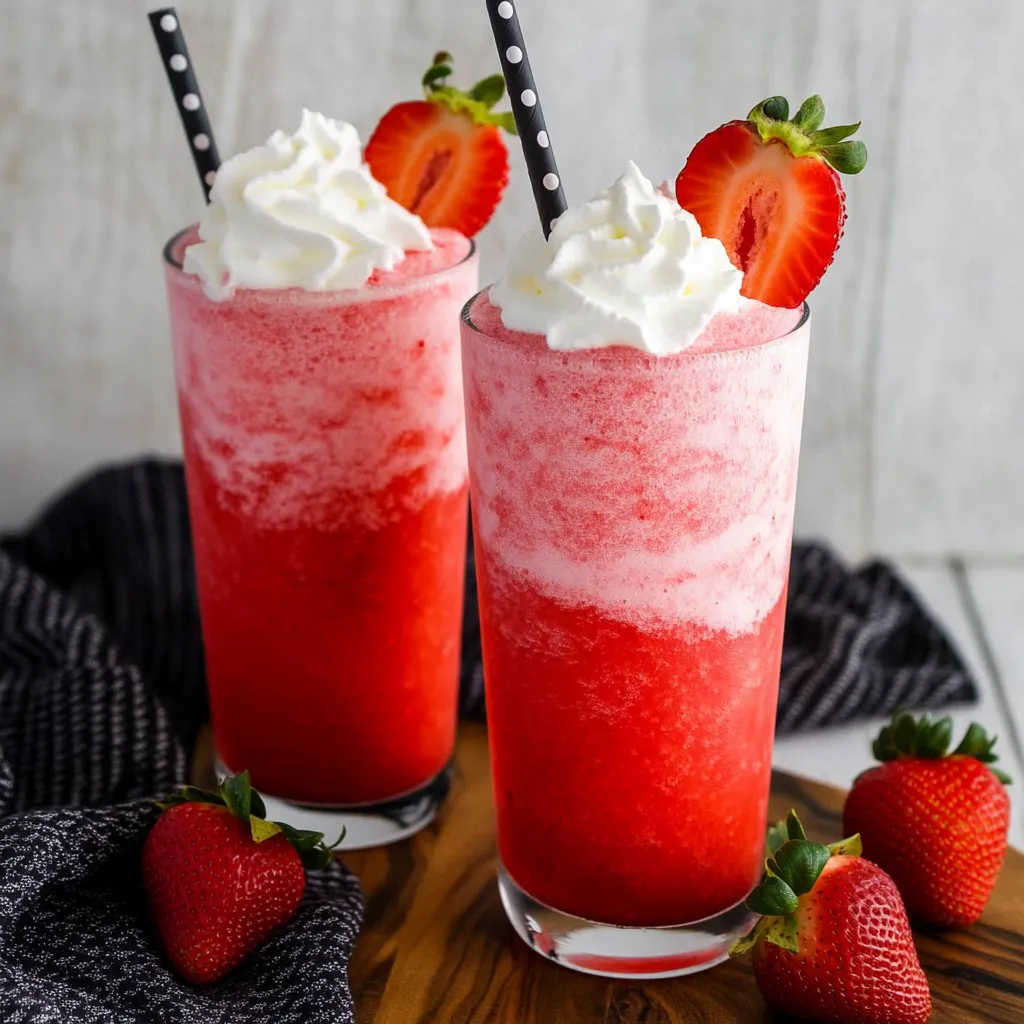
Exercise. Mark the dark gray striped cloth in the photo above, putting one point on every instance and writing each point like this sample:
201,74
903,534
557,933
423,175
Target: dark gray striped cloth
101,692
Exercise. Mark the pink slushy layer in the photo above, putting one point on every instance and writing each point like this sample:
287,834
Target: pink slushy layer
307,407
655,490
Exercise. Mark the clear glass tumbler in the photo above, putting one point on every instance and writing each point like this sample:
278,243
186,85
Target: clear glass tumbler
324,440
633,522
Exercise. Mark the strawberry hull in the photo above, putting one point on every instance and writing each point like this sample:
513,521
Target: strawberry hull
633,520
325,462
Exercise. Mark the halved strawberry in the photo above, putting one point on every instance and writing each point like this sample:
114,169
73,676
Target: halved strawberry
767,188
443,158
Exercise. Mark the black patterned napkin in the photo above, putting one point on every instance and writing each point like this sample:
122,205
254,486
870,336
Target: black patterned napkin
102,692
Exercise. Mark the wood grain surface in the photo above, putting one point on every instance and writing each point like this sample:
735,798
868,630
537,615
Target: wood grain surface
436,946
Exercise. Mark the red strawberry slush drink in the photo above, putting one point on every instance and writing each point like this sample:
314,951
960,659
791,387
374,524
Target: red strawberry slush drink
317,357
634,415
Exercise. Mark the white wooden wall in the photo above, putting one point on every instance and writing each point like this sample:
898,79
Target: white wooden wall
914,423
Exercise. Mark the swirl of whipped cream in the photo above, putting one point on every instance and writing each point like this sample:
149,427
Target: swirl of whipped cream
301,211
628,268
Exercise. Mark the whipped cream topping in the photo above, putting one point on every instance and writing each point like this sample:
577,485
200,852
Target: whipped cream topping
630,267
301,211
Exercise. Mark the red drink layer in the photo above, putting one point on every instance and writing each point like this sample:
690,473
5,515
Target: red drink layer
324,441
633,521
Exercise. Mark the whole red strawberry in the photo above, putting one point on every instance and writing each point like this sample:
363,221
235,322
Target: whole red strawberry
221,879
767,188
835,943
443,157
937,822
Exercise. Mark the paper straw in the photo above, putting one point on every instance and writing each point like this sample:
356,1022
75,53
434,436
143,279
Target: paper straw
533,134
178,65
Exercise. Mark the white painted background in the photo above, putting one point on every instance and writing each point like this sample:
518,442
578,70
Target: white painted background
913,443
914,426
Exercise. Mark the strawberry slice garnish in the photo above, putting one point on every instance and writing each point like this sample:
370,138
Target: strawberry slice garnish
443,158
769,190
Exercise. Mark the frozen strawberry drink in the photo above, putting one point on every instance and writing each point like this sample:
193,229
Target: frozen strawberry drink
315,326
634,432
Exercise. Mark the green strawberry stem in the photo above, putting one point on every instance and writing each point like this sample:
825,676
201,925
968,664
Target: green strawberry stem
793,868
244,802
477,103
907,736
805,137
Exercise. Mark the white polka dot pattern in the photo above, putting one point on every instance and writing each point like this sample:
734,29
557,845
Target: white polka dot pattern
526,108
170,40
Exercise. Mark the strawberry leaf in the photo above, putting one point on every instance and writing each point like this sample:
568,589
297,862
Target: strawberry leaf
782,931
750,940
776,108
811,114
906,736
804,136
488,91
976,743
884,747
506,120
237,794
773,897
794,827
191,795
315,859
904,730
435,75
256,805
798,863
777,835
847,157
830,136
262,829
934,742
301,839
851,847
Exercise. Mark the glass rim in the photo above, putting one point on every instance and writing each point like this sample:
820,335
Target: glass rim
352,295
610,350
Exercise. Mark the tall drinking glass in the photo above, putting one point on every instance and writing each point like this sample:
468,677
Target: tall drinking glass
633,519
324,440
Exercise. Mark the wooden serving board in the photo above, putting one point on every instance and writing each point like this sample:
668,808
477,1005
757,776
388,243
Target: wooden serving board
437,949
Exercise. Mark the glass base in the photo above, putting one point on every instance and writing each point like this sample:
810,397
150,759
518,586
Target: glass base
365,825
614,951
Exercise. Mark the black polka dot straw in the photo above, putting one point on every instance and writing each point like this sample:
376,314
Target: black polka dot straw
171,41
522,91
